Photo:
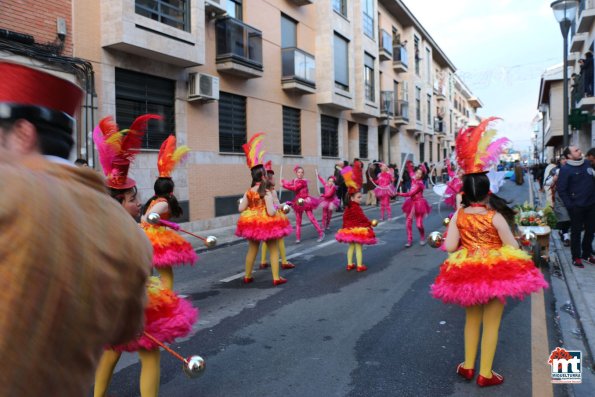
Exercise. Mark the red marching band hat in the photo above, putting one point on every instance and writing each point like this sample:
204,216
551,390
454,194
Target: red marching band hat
33,94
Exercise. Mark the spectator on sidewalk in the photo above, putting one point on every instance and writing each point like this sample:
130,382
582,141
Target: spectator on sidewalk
74,265
562,217
518,173
547,177
591,156
370,196
576,186
341,188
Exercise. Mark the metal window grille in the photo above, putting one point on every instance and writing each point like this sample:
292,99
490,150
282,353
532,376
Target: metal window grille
363,141
292,135
232,122
139,93
329,129
174,13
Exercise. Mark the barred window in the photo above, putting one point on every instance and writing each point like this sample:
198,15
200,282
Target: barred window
292,135
329,129
363,141
232,122
174,13
139,93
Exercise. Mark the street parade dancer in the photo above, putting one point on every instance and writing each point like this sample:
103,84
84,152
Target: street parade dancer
169,248
285,264
489,267
385,190
416,206
302,202
166,316
329,202
259,219
453,187
357,228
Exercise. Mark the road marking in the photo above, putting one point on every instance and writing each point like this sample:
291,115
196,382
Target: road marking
307,251
541,385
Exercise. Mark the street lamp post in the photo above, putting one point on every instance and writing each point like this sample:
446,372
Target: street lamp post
565,12
543,110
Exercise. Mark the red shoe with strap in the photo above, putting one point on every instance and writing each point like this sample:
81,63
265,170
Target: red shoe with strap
350,267
362,268
248,280
264,265
287,265
467,373
279,282
495,380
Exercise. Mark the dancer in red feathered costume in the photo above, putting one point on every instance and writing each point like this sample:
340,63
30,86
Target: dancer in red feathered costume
357,228
489,267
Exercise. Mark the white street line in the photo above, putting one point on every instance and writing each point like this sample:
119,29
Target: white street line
231,278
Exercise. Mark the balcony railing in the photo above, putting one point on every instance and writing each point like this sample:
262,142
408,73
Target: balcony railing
402,109
238,42
387,101
386,42
400,55
581,88
298,65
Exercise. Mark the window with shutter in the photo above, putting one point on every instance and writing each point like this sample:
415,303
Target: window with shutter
232,122
292,135
139,93
329,129
363,141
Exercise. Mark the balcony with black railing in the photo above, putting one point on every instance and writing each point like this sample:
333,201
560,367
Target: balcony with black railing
298,71
582,92
239,48
385,47
400,59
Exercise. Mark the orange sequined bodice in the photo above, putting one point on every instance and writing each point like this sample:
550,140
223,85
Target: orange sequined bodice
477,231
254,200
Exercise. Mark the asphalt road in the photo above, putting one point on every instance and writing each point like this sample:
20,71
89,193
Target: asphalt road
329,332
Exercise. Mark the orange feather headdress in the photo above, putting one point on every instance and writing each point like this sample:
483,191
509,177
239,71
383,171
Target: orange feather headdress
475,150
118,148
254,150
353,177
170,156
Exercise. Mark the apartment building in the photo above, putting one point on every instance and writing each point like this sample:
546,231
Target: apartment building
327,80
582,101
549,141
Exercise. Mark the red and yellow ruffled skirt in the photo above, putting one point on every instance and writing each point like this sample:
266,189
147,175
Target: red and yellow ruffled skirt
167,318
256,224
169,248
474,279
359,235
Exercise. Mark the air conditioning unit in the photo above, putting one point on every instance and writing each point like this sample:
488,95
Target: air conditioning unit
203,87
215,8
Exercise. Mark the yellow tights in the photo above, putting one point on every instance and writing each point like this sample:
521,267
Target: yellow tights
263,252
149,374
253,251
490,315
167,277
358,254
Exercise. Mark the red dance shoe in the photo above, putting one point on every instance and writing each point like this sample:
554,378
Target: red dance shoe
350,267
362,268
464,372
287,265
248,280
495,380
264,265
279,282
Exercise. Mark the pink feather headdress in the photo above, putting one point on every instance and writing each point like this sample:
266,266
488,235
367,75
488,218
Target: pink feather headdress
118,148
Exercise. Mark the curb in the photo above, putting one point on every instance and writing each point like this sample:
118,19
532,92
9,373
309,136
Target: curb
585,322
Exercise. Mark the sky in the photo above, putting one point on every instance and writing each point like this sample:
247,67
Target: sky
500,49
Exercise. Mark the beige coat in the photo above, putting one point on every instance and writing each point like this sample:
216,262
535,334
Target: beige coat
73,267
